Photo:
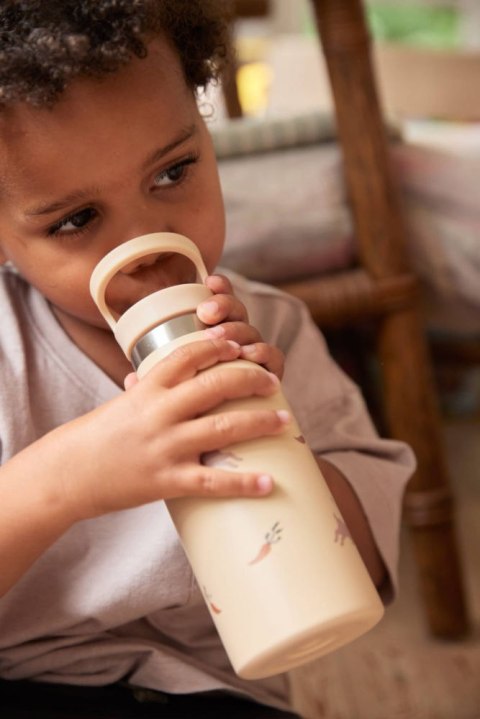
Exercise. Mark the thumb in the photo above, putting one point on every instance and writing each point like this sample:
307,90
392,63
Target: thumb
130,380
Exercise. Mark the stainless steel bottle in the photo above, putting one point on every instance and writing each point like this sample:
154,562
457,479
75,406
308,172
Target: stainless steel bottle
281,576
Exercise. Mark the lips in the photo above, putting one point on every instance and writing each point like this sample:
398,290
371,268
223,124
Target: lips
156,273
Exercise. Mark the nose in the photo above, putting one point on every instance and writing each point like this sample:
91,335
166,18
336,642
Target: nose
137,215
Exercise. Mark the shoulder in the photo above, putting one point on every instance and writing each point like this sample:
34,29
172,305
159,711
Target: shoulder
23,312
15,358
11,284
13,292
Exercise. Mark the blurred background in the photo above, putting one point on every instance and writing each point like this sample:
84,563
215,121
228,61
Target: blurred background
289,219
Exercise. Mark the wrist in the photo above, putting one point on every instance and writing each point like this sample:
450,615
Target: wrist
33,514
40,485
356,520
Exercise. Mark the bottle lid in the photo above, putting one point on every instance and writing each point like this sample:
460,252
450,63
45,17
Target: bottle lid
157,307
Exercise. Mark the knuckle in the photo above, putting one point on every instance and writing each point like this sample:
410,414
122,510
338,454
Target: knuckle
184,352
222,424
207,482
255,374
210,381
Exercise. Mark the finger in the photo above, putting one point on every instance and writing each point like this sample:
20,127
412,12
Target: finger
130,380
220,308
212,433
201,481
219,284
216,385
189,359
268,356
240,332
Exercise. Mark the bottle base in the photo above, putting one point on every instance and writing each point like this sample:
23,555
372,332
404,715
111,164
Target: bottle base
308,645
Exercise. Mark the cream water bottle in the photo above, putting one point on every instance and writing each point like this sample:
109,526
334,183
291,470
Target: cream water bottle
280,574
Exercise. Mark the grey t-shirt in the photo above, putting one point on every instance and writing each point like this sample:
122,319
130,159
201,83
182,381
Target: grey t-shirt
115,597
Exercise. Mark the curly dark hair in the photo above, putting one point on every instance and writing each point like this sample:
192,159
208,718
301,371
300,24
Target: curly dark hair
46,43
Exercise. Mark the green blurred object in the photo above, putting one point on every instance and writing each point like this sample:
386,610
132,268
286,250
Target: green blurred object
414,24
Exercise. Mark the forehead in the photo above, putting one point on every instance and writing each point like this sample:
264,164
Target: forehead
96,121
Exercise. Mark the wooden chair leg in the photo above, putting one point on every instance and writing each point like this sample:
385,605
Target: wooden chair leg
413,416
239,9
408,387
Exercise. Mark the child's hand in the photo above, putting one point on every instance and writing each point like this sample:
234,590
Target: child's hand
230,318
147,444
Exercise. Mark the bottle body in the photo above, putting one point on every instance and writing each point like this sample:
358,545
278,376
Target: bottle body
281,576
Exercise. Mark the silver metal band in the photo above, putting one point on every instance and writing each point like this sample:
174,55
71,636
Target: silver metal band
164,333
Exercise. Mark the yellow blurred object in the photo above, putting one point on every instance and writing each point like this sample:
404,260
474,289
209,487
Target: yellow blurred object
253,82
251,48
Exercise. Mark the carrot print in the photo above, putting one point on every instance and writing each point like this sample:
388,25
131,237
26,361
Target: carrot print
212,606
265,549
271,537
341,530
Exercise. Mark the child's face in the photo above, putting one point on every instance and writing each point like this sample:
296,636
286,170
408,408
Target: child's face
113,159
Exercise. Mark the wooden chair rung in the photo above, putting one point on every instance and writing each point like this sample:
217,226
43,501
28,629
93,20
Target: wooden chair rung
428,508
344,298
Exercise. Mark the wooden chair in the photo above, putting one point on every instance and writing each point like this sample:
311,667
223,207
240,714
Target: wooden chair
240,9
384,289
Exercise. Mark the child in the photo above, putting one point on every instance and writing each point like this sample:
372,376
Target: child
101,140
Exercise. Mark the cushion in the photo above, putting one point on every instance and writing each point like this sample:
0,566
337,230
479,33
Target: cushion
288,215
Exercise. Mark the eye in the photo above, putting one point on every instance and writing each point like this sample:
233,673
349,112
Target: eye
75,223
174,174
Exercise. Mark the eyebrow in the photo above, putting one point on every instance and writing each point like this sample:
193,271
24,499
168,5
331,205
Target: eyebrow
87,193
185,135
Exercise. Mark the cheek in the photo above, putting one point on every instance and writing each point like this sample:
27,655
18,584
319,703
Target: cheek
71,293
211,224
64,284
212,241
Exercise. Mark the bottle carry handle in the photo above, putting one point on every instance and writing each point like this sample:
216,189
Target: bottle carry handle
133,250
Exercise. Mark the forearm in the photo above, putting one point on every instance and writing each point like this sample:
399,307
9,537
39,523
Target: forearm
141,446
356,520
33,514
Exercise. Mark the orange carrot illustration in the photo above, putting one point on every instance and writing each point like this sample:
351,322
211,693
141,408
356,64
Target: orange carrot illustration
271,537
264,550
212,606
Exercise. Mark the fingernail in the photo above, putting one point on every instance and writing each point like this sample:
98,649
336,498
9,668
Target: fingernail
248,349
264,484
274,379
210,308
217,331
284,416
233,344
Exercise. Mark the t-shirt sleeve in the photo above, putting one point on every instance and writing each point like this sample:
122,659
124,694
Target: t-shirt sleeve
331,412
